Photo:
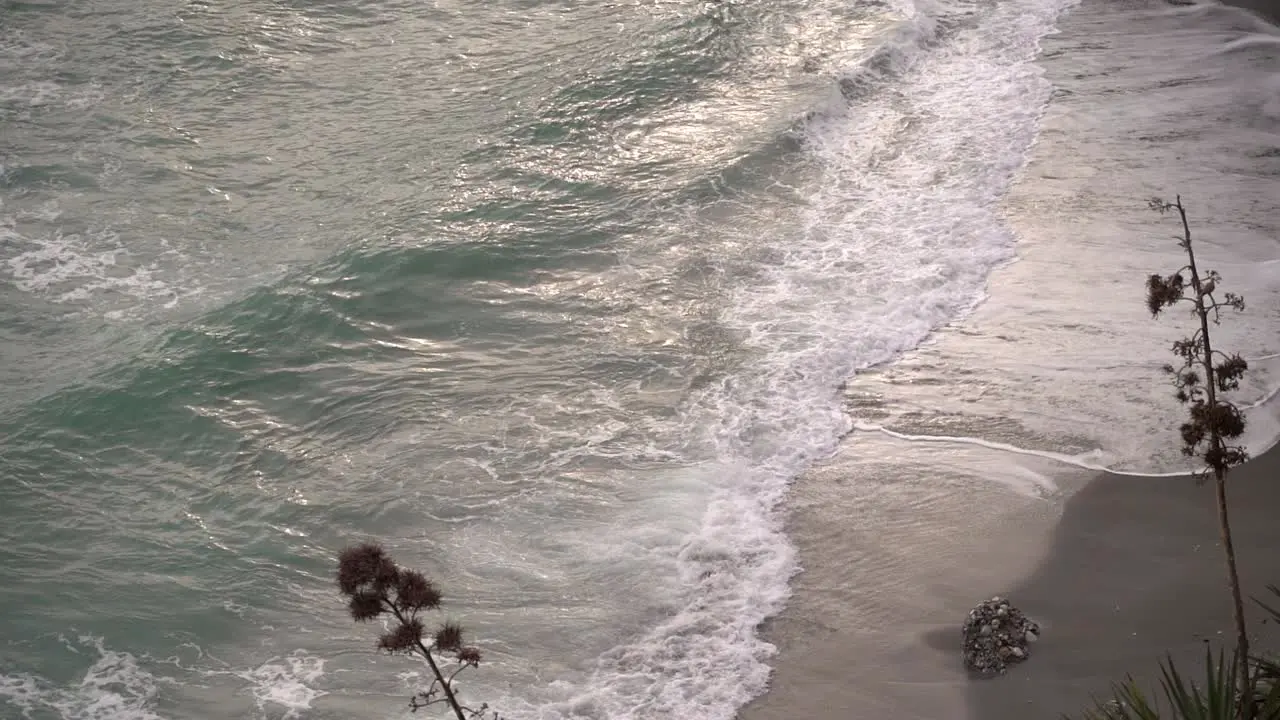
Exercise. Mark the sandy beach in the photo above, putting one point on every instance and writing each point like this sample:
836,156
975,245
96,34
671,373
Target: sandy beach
1135,569
1118,569
1123,570
1269,9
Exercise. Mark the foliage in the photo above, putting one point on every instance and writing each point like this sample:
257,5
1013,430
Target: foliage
376,587
1215,698
1204,373
1267,676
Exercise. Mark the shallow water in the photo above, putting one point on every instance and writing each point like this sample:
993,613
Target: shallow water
1064,359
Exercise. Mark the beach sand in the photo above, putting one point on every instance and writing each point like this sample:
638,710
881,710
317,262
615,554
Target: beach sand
1120,571
1269,9
1136,568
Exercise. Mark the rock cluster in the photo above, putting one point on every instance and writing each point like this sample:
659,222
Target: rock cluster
997,634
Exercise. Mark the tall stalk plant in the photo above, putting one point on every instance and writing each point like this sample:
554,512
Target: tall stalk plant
1214,424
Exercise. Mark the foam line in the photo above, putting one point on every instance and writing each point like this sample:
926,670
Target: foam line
1014,449
1268,397
898,240
1004,447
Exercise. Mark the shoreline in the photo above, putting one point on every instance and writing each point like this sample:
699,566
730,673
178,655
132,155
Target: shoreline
1268,9
1118,570
899,539
1135,572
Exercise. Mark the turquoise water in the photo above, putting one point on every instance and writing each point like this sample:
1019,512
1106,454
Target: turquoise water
552,299
284,277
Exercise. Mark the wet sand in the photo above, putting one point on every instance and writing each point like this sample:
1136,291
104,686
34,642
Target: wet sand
1122,571
1269,9
1136,568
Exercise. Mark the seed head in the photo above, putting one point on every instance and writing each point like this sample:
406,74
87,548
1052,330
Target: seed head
415,592
449,637
365,605
404,638
365,564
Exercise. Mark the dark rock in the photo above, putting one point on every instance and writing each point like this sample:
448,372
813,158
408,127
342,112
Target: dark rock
989,652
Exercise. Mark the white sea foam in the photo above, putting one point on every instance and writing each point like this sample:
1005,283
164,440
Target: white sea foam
122,686
1262,35
1039,366
286,682
1083,461
1262,413
78,266
113,688
1262,432
899,240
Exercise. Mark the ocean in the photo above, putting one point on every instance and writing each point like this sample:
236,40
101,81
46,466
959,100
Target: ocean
556,301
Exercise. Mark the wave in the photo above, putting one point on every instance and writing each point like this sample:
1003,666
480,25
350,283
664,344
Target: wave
899,239
114,687
119,685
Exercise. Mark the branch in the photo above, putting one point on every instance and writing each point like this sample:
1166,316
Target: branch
1212,307
444,684
455,672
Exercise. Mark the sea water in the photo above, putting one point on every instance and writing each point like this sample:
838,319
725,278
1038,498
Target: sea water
554,300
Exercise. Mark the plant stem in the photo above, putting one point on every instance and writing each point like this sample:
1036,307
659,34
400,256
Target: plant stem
426,653
1220,479
1242,636
448,689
